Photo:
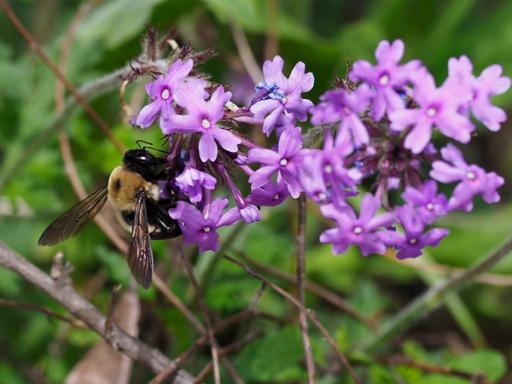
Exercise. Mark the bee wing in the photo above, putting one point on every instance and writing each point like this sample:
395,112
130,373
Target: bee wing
140,255
70,223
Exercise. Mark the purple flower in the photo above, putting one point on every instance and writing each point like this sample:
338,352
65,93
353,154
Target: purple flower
312,178
192,181
162,92
201,227
324,176
480,90
472,179
428,204
412,242
270,194
364,231
202,117
286,162
249,212
346,107
437,106
386,78
279,99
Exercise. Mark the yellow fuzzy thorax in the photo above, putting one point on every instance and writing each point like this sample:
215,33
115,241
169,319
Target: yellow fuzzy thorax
124,186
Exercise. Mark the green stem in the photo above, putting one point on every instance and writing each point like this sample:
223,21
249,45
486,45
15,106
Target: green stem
433,298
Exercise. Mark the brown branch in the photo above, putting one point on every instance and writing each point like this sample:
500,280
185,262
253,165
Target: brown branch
320,291
310,314
18,25
479,378
86,312
300,275
109,322
41,309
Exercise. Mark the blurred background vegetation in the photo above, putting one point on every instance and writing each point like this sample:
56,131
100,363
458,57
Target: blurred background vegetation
471,334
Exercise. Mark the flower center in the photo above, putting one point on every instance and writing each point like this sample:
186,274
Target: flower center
385,164
430,206
431,111
206,229
328,169
413,241
347,111
357,230
471,175
205,123
384,79
283,162
321,196
165,94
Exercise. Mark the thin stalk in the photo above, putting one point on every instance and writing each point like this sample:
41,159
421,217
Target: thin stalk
433,298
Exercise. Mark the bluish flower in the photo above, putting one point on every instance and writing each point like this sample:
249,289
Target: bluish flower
162,92
480,90
472,179
346,107
387,78
286,162
366,231
192,181
411,243
270,194
437,107
427,202
281,102
202,117
324,177
201,227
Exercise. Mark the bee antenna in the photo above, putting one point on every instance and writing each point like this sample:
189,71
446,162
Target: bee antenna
149,145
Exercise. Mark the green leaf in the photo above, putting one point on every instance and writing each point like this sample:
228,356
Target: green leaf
116,22
487,361
254,16
273,358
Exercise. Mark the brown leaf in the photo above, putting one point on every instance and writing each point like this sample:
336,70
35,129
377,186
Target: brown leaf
102,364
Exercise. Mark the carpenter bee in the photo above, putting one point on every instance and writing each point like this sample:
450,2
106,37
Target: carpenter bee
134,193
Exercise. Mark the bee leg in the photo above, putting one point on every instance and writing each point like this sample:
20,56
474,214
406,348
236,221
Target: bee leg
165,227
159,235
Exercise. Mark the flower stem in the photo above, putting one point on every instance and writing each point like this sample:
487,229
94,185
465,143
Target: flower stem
301,272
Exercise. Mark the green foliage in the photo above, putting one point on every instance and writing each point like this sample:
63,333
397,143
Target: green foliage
275,357
326,35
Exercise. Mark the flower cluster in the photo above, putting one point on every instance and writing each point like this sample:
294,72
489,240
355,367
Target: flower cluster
378,126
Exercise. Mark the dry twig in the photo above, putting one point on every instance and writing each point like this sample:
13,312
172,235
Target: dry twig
41,309
86,312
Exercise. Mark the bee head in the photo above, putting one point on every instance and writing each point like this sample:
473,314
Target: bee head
144,163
